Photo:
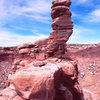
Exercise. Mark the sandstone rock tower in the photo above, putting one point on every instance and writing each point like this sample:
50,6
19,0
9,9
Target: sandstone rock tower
62,26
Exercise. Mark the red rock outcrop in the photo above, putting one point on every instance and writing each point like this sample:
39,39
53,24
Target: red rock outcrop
42,71
62,27
55,45
7,55
88,68
53,79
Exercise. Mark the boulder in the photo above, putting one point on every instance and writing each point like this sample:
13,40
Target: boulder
35,82
40,80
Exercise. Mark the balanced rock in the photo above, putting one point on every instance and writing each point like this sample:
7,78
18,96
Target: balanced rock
62,26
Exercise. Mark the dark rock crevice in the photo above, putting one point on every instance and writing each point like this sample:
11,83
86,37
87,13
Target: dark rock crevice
67,83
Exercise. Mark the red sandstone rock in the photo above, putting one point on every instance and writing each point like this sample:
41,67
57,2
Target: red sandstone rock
8,94
89,82
38,63
60,84
35,83
61,34
40,56
24,51
41,42
62,27
69,68
56,43
62,23
45,82
16,61
24,62
26,45
61,2
52,81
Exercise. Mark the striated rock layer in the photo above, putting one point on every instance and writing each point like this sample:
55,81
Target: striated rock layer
7,54
55,45
62,27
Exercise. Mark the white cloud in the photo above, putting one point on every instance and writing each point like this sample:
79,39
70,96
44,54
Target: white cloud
82,1
39,18
12,39
94,16
12,9
76,15
82,35
38,6
18,9
78,2
76,34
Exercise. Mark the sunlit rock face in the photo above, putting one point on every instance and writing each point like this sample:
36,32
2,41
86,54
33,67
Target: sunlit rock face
51,79
62,26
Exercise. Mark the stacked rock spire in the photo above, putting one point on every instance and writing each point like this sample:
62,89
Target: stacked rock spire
62,26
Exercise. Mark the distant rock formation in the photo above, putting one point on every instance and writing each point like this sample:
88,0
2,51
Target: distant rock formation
7,55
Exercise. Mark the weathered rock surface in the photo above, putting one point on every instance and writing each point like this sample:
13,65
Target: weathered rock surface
62,27
35,82
53,80
56,43
6,57
88,68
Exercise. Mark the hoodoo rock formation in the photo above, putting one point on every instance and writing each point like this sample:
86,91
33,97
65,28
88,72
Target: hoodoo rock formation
40,70
62,26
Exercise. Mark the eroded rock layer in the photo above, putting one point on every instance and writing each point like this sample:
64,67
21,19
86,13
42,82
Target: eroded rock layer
51,79
62,26
7,54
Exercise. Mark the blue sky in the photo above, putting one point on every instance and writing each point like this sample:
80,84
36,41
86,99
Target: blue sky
23,21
